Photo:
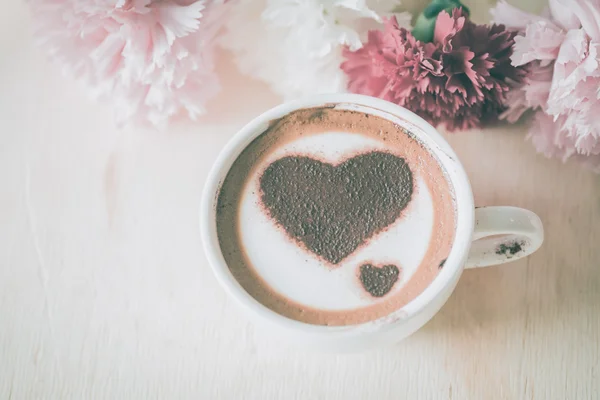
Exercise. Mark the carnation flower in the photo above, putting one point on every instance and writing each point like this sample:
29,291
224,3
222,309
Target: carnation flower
296,45
531,94
459,80
150,58
551,139
563,51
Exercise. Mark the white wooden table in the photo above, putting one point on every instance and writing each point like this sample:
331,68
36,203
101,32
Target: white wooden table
105,291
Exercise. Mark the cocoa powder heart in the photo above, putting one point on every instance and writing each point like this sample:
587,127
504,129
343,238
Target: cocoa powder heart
378,281
333,209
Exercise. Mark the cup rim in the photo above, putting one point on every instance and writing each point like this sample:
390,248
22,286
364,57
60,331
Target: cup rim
424,132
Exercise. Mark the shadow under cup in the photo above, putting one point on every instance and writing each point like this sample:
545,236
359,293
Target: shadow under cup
398,320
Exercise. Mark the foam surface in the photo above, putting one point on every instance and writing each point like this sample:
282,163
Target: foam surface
291,270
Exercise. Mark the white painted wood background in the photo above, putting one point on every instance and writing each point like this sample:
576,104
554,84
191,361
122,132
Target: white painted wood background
105,292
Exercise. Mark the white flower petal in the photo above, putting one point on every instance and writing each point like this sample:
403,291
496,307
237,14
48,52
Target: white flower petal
295,46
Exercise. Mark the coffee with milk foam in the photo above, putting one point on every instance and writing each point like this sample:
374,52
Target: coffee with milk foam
335,217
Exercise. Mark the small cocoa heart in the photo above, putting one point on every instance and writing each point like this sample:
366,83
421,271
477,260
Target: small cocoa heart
378,281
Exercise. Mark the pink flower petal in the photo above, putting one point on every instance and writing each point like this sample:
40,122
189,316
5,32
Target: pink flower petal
513,17
150,58
588,13
562,12
460,80
551,139
541,41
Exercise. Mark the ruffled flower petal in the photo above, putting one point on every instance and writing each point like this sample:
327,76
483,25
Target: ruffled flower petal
563,55
151,59
551,139
459,81
296,46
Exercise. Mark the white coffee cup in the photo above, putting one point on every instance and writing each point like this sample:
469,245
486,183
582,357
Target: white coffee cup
479,233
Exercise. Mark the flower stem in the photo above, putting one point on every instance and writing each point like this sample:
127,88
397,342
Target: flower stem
425,25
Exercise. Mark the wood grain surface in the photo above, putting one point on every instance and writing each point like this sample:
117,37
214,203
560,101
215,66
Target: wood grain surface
105,292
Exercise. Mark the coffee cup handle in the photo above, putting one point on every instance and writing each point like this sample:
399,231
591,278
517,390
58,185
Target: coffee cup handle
504,234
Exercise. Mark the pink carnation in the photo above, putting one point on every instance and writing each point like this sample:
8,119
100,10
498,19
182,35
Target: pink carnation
550,139
533,93
575,89
460,80
563,52
150,58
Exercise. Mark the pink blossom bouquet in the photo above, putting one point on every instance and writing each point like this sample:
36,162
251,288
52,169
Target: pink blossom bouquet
458,75
562,49
152,58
